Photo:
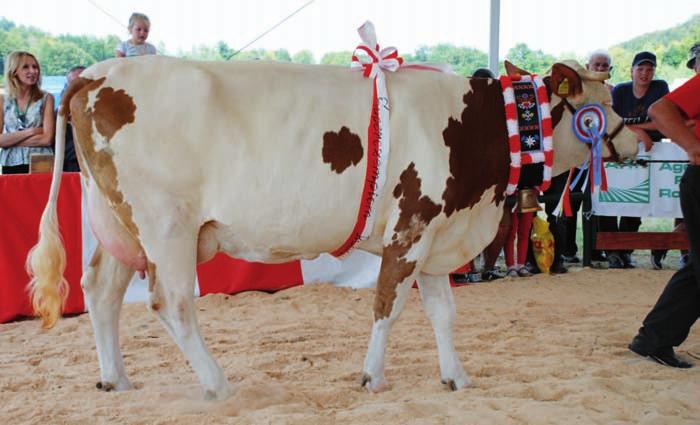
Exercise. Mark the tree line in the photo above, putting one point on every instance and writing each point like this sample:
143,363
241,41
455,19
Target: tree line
57,54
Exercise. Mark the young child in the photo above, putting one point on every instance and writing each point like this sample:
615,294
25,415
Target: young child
139,26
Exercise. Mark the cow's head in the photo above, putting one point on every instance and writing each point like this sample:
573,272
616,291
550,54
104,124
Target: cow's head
570,83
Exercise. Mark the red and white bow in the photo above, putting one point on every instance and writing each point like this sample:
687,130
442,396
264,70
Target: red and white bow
375,59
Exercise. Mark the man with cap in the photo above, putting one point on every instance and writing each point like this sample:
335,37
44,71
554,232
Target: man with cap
631,101
667,325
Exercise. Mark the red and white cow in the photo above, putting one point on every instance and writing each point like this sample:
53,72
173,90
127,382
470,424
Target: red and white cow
266,162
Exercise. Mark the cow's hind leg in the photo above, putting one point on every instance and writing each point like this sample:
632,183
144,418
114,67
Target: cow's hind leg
439,305
104,283
171,274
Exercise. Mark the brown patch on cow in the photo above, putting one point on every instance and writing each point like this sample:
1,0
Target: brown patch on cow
112,111
416,211
341,149
394,270
478,142
64,110
76,85
79,156
151,272
99,163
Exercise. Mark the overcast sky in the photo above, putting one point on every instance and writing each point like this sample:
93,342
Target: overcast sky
555,26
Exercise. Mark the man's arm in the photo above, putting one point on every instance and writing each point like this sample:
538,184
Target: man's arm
649,125
670,121
642,136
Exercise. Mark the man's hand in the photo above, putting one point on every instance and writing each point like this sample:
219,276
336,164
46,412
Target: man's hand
642,136
694,154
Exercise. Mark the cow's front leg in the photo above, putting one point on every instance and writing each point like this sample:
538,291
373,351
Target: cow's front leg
386,311
104,283
396,276
439,306
406,241
171,273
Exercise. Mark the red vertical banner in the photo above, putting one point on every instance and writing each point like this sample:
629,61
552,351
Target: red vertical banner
23,200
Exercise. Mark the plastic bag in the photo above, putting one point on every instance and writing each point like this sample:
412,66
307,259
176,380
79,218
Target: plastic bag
542,244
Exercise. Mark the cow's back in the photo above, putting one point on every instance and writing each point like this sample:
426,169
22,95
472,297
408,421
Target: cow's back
270,149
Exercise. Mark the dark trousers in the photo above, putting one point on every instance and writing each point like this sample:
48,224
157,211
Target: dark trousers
568,224
71,166
557,225
16,169
678,307
563,228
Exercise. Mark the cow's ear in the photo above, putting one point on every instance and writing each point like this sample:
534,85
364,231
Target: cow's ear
512,70
548,84
565,81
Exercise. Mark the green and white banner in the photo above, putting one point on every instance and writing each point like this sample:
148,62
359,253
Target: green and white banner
651,191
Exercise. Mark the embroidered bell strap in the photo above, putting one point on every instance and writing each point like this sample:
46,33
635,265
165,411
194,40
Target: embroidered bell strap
529,124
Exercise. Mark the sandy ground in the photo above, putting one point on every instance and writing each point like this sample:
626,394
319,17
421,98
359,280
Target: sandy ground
540,350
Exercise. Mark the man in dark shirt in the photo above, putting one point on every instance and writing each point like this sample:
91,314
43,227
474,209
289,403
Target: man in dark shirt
70,161
631,100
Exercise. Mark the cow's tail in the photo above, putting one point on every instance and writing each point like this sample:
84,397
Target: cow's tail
46,261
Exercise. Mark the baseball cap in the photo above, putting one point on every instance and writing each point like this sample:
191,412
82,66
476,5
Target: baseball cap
693,53
642,57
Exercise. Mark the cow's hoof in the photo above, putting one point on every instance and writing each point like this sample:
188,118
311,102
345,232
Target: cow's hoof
374,385
106,386
457,384
217,395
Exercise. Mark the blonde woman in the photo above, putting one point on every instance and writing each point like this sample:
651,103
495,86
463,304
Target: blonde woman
27,121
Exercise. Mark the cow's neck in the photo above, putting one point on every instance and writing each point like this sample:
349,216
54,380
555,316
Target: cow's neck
558,110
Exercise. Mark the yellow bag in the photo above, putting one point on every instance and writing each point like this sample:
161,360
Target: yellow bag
542,244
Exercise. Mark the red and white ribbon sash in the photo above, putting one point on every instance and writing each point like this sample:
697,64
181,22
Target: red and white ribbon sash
378,135
373,61
518,158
